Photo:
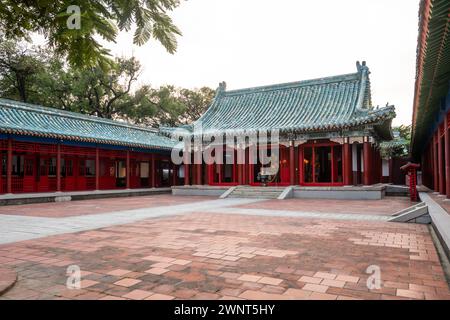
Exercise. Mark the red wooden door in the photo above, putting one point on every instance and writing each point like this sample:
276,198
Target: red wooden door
70,179
29,177
43,182
81,174
284,166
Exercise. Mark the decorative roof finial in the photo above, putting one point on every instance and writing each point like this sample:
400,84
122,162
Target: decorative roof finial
222,86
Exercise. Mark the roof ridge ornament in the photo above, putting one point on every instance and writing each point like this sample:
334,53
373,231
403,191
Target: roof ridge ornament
222,87
364,72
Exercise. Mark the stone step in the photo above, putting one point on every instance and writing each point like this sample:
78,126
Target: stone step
257,192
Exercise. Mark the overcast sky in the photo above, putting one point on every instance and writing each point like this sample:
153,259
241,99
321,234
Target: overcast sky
258,42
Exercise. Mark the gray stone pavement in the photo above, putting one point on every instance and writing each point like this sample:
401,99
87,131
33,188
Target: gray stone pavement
303,214
18,228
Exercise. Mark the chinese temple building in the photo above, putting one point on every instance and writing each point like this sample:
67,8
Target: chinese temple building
329,133
430,142
45,150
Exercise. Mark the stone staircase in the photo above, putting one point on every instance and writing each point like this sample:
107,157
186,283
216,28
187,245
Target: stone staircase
256,192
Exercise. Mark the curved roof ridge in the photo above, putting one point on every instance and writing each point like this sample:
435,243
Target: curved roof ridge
295,84
69,114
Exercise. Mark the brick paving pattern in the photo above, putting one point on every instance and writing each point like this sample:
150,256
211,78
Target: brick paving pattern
204,255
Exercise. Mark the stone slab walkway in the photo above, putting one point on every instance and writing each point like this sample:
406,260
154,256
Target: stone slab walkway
18,228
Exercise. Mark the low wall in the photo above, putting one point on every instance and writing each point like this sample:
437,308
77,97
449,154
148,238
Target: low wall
341,193
28,198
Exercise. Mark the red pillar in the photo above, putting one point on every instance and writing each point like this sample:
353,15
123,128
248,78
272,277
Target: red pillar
9,167
58,167
435,164
153,185
447,158
440,165
174,175
128,170
300,165
198,173
97,169
186,156
292,162
367,163
240,159
347,163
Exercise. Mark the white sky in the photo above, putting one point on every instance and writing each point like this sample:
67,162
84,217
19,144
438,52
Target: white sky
258,42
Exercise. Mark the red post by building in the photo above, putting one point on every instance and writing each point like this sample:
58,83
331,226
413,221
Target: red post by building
292,163
447,157
440,163
435,164
58,167
153,171
347,163
9,166
97,169
367,162
128,170
411,169
186,156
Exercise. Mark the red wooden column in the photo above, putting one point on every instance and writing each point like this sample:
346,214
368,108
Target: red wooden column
240,159
292,162
435,164
153,172
186,156
367,162
198,159
128,170
447,157
347,162
440,164
9,158
174,175
58,167
97,169
1,174
300,165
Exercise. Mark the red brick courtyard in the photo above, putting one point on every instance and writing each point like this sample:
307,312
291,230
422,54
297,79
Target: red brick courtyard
214,255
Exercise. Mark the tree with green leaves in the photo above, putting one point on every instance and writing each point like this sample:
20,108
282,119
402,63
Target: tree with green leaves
40,76
19,66
73,27
168,105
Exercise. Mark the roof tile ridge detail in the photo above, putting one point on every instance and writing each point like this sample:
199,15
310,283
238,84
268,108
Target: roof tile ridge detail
12,104
295,84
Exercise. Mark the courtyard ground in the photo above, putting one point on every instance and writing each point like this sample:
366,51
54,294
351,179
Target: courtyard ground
166,247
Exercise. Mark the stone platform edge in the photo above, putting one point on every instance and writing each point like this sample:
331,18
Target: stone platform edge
374,192
29,198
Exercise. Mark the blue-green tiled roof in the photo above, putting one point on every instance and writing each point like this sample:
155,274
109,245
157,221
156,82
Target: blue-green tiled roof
28,119
324,104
